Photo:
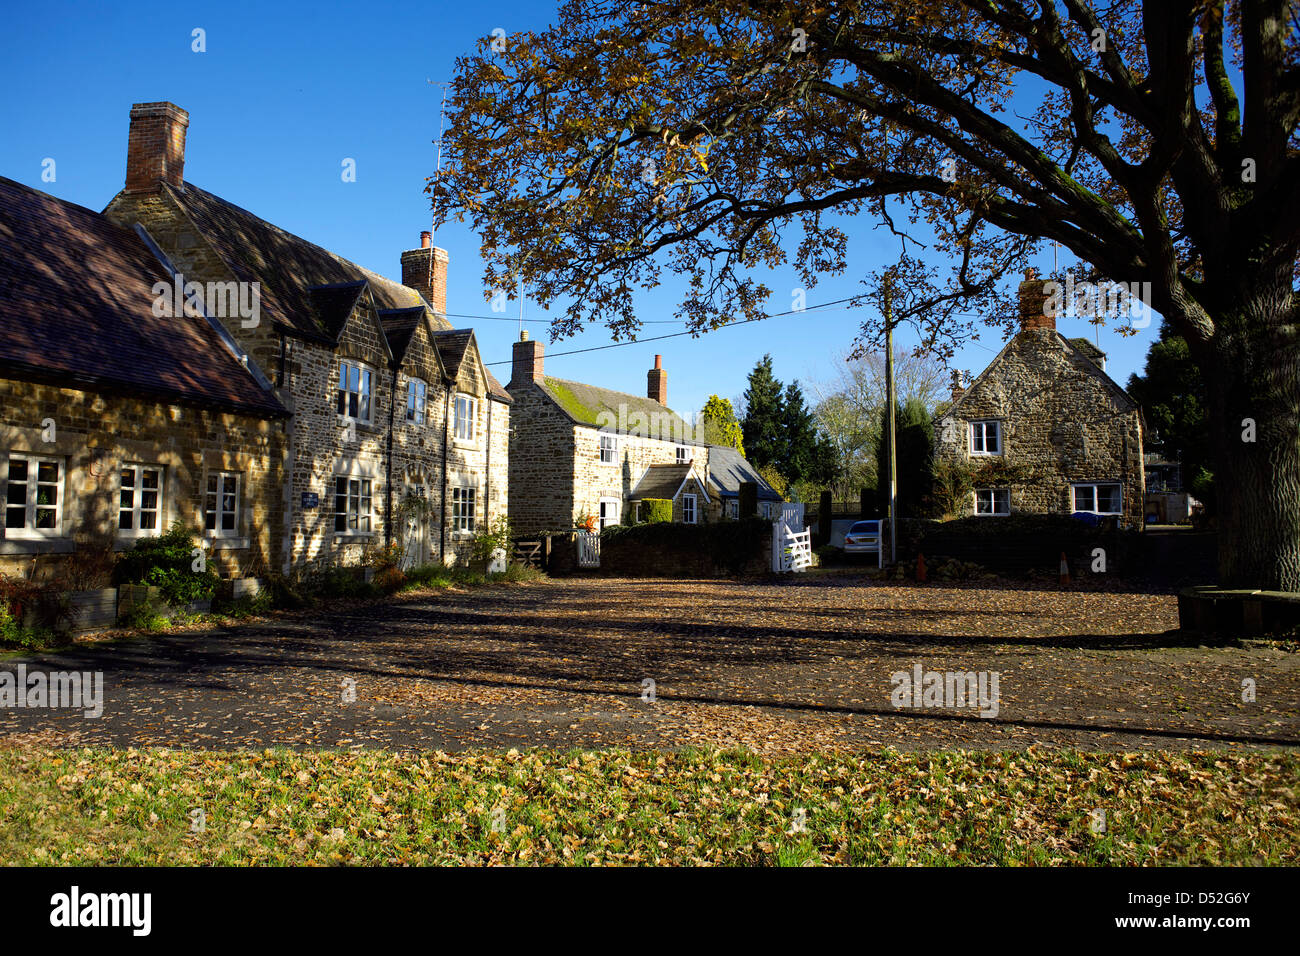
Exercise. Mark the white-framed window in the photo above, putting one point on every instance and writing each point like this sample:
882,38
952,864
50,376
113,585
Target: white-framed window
986,438
355,391
352,503
610,511
688,509
766,507
683,454
732,508
140,499
34,497
993,501
221,504
608,449
466,413
462,509
1101,498
417,397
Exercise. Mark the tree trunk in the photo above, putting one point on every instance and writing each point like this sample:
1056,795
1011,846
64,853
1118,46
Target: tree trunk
1252,369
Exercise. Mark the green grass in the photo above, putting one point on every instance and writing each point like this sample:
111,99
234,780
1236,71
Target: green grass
95,806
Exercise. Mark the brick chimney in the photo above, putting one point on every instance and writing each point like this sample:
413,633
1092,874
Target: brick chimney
416,275
958,385
155,148
527,364
1037,310
657,382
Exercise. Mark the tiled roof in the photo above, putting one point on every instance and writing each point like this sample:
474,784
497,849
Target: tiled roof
76,309
660,481
586,403
728,468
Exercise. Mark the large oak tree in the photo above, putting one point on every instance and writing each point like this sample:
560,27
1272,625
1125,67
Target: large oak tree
1155,140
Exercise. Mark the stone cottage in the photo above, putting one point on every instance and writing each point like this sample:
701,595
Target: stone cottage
1044,429
116,420
581,450
397,432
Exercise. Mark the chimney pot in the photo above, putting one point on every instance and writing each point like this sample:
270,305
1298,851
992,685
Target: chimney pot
155,148
523,335
426,240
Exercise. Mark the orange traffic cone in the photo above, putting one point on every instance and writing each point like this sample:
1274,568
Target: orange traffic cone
1065,571
920,566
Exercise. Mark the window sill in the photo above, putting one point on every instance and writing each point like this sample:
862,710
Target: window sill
37,545
225,543
350,537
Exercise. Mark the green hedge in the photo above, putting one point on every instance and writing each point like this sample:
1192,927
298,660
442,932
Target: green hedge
723,547
656,510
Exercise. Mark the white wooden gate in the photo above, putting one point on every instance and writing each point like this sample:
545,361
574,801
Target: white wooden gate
791,550
588,549
792,514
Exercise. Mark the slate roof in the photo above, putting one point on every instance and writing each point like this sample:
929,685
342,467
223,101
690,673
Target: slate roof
287,266
292,270
76,309
453,345
660,481
399,326
332,304
728,468
585,403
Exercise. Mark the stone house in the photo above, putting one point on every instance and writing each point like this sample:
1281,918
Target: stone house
116,421
1044,429
580,449
380,423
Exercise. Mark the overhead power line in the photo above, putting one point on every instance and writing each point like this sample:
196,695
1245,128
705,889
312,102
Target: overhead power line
822,307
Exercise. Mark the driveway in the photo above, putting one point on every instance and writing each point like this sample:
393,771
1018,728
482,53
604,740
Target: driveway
770,667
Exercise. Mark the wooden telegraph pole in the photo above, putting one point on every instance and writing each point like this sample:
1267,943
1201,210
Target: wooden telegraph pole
887,310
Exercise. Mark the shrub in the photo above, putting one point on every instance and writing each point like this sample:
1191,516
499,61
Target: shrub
37,611
14,634
656,510
167,562
385,562
493,537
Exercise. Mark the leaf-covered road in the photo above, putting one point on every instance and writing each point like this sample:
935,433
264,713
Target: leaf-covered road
769,667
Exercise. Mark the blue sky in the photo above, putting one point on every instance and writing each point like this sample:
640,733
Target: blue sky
285,92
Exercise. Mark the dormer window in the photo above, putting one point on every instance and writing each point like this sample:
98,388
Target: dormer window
986,438
355,392
683,455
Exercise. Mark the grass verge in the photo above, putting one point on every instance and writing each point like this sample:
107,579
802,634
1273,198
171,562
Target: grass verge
97,807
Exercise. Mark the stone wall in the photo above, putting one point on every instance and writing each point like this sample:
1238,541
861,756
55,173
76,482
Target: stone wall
541,463
95,434
594,479
1063,420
